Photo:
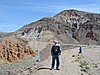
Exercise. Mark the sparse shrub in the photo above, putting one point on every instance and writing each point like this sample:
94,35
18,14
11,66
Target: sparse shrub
84,66
84,70
82,74
76,60
96,66
73,55
78,57
87,67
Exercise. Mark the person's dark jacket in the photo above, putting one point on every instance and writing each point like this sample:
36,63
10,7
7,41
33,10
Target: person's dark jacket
80,50
55,53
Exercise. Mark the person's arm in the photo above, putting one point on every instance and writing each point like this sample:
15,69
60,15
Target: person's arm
52,51
59,50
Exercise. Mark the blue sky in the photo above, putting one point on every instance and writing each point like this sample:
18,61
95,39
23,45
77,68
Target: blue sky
16,13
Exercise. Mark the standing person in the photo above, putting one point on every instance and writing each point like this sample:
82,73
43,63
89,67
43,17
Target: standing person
80,51
55,52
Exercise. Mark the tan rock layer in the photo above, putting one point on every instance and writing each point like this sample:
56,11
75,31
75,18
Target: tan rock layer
12,50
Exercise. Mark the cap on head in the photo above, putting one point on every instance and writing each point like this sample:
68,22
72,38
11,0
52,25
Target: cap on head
57,43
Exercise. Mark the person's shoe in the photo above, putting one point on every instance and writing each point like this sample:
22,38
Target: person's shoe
51,68
57,69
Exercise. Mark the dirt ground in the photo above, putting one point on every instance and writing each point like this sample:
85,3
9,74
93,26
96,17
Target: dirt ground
71,64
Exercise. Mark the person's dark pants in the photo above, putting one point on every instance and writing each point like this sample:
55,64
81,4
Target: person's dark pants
57,61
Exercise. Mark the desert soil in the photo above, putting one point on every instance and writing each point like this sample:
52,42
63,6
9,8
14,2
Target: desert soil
71,64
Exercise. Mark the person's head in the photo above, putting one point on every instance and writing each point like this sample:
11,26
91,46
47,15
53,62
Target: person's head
57,43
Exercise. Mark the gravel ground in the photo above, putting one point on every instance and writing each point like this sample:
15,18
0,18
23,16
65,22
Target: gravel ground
6,68
72,64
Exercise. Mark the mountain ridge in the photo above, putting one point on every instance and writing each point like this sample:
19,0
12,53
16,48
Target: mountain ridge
67,21
34,40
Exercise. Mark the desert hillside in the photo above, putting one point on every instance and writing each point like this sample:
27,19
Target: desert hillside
24,51
79,26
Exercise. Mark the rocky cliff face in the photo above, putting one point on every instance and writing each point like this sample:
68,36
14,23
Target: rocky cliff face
83,26
12,50
78,26
68,26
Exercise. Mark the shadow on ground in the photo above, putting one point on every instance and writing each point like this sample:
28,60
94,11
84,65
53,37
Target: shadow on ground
43,68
